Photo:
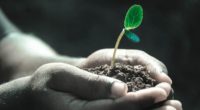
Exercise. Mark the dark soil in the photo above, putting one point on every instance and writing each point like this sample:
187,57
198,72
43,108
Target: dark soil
136,77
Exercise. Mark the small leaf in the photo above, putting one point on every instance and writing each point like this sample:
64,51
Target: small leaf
133,17
133,37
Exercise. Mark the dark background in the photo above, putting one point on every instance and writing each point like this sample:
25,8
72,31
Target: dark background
169,32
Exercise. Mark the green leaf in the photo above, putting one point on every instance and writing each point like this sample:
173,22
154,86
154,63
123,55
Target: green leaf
133,37
133,17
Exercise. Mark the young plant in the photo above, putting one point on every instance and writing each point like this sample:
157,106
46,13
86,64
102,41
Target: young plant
133,19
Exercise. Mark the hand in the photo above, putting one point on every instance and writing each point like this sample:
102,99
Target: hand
59,86
133,57
157,69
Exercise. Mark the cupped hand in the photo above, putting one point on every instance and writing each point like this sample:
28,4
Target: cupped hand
134,57
156,68
59,86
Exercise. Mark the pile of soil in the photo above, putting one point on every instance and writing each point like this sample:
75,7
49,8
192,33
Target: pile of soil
136,77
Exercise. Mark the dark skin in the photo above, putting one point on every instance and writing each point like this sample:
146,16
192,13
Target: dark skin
34,77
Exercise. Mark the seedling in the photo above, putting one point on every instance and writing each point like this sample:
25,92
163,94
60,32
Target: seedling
133,19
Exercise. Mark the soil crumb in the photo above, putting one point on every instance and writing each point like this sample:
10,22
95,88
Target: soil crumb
136,77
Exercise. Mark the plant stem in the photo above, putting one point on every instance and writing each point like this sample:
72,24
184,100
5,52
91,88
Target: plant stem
116,47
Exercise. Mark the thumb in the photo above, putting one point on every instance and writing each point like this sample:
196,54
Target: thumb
85,85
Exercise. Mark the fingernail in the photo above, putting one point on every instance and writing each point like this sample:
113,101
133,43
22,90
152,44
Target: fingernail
118,89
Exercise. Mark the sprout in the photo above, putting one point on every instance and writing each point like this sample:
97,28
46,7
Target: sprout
132,20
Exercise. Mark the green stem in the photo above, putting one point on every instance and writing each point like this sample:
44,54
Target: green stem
116,47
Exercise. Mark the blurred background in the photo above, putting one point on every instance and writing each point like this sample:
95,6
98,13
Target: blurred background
169,32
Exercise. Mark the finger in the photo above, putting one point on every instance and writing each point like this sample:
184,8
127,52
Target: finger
167,89
131,57
161,77
97,58
145,98
165,86
132,101
166,107
162,86
70,79
46,101
156,69
175,103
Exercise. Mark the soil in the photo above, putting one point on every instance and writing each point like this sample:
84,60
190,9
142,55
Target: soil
136,77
